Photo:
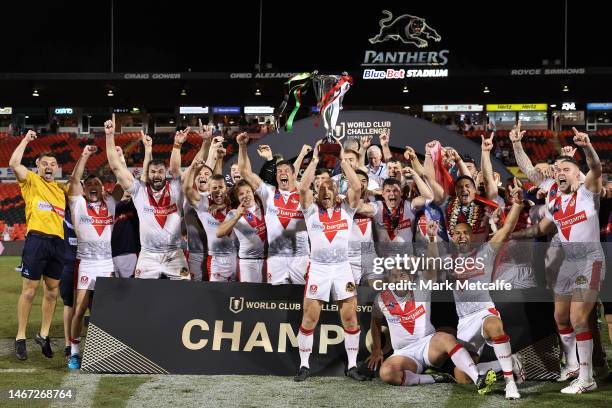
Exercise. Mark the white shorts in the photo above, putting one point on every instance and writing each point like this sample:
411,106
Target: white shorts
330,280
287,269
418,351
196,265
152,265
580,274
221,268
521,276
90,269
251,270
470,330
125,265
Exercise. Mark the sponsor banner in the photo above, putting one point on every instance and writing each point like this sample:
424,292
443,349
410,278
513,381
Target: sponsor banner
391,73
193,109
154,75
599,106
226,109
453,108
258,110
517,107
262,75
63,111
6,111
178,327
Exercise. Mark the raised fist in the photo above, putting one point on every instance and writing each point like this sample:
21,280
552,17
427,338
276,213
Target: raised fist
89,150
242,138
31,135
109,126
409,154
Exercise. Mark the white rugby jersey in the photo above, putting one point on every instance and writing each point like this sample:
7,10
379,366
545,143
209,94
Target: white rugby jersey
576,215
159,214
329,232
470,301
285,224
251,233
408,317
93,225
224,246
361,239
394,225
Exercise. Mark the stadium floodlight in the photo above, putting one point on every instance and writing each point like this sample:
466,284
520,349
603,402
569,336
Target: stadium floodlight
565,88
110,93
183,92
405,90
553,105
35,92
486,90
258,92
406,107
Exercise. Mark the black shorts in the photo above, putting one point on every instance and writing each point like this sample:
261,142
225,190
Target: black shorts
68,282
43,255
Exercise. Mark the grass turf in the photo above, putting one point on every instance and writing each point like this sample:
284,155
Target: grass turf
243,391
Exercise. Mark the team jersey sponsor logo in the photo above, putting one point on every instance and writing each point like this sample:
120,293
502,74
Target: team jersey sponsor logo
96,220
161,211
45,206
572,220
362,223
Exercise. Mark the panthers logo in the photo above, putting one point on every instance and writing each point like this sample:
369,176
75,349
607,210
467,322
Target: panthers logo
405,28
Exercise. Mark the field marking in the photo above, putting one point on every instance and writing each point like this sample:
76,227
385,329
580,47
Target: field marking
17,370
85,386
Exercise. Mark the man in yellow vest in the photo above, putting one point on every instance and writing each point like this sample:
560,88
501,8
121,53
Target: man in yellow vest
43,253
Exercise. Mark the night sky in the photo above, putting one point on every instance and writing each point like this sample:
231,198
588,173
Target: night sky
71,36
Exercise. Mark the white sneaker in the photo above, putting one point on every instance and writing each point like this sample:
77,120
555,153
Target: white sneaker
579,386
568,373
517,369
511,391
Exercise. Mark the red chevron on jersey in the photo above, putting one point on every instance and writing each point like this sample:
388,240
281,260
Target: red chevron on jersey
567,218
163,207
100,219
362,222
259,225
408,315
332,224
287,210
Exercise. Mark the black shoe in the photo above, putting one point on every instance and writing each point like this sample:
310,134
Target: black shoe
485,382
443,378
302,375
44,344
354,374
20,350
67,352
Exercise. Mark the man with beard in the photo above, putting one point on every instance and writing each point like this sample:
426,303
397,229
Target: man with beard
574,212
479,321
288,246
93,216
212,208
329,274
248,224
43,252
158,202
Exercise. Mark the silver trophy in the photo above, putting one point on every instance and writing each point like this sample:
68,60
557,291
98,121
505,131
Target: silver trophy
330,91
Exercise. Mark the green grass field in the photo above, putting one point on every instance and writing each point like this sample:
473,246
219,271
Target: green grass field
93,390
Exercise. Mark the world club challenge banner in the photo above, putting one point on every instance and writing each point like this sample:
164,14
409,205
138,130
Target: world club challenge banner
174,327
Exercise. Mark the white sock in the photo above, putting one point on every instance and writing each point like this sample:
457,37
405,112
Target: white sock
463,361
410,378
503,352
568,345
75,346
305,346
489,365
584,342
351,344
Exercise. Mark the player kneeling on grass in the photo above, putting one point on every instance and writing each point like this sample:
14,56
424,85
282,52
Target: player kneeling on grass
415,342
327,222
92,217
479,321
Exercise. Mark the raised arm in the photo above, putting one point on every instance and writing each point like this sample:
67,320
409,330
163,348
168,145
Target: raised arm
593,179
503,234
522,160
308,178
191,194
216,144
147,142
244,164
425,192
206,136
410,155
123,175
384,143
459,163
218,155
175,157
365,142
353,193
487,167
297,164
19,169
227,226
74,184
